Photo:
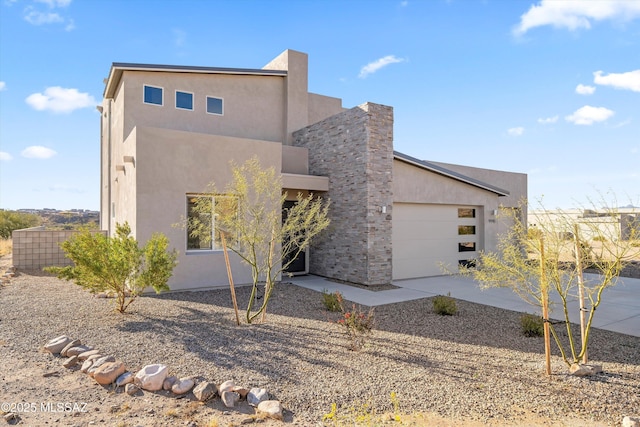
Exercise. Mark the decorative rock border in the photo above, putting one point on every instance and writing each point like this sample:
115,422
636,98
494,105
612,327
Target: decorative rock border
107,370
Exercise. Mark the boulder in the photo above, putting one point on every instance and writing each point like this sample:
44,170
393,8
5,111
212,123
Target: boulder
257,395
123,379
77,350
204,391
151,377
56,345
70,362
108,372
85,355
72,344
271,408
169,382
99,362
241,391
580,370
229,398
226,386
182,386
631,421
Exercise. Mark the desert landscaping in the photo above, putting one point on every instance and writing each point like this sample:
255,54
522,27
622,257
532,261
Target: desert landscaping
416,368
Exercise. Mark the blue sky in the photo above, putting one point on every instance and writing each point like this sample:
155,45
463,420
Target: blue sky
547,88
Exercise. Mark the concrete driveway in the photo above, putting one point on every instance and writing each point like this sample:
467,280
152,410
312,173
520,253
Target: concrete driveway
619,310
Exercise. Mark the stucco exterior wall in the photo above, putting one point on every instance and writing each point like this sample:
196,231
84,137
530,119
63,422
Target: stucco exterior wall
171,164
355,150
260,98
321,107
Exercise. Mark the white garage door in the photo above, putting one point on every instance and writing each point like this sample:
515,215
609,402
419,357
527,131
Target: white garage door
428,237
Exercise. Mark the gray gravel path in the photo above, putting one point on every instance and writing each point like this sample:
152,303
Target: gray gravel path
472,367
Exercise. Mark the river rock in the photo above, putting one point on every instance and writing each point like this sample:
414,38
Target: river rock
182,386
226,386
85,355
151,377
131,389
271,408
108,372
70,362
73,343
204,391
85,366
257,395
229,398
99,362
169,382
123,379
77,350
242,391
56,345
631,421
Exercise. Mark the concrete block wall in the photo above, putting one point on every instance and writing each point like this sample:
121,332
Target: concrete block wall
355,150
36,248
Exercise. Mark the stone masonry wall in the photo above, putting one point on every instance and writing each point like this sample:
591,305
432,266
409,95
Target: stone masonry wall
355,150
35,248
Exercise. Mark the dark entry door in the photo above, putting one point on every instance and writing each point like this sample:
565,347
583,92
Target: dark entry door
299,264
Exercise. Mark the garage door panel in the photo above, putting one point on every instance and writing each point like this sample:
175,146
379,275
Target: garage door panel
425,239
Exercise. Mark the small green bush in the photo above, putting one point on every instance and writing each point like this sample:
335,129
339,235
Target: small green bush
445,305
331,300
531,325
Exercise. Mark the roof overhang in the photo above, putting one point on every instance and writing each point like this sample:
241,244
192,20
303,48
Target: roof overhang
117,68
295,181
449,173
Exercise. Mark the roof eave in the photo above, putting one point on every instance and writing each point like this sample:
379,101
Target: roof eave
449,173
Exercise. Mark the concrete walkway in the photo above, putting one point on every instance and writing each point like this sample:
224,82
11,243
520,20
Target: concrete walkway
619,310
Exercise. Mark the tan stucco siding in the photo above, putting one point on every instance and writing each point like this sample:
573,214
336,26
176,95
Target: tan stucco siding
253,105
170,164
321,107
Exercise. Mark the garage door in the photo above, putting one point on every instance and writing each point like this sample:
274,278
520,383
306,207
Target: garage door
426,237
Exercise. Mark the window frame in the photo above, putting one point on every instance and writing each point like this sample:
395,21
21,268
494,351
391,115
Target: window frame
211,247
206,105
192,100
144,98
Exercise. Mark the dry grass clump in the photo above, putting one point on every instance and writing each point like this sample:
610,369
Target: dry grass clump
6,246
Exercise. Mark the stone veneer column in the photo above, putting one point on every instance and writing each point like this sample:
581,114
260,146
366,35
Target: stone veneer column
355,150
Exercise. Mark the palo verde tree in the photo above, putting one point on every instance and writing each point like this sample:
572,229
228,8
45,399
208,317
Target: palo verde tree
546,262
248,214
117,264
12,220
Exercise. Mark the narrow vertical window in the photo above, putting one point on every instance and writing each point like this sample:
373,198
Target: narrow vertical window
199,223
153,95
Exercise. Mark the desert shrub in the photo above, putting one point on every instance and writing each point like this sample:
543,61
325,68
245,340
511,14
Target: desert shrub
445,305
117,264
531,325
12,220
331,300
356,322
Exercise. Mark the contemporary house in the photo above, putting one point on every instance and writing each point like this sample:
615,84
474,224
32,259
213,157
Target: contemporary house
167,131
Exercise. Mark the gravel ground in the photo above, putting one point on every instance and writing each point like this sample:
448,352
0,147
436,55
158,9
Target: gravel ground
475,368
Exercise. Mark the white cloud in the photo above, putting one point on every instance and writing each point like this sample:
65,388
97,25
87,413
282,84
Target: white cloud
585,90
40,18
588,115
71,25
60,100
55,3
3,86
629,80
38,152
548,120
179,37
575,14
518,131
374,66
5,156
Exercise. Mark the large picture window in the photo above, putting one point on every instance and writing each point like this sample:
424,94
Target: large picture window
204,213
152,95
